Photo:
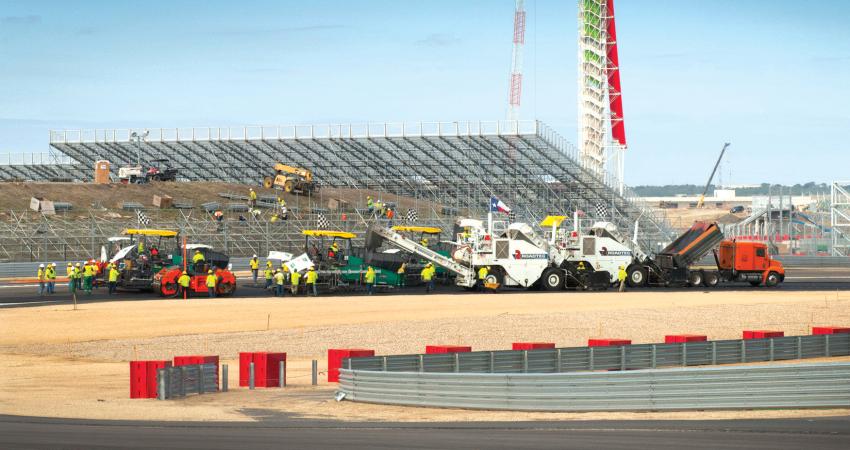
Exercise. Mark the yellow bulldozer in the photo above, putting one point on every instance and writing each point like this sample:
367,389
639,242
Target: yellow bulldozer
293,180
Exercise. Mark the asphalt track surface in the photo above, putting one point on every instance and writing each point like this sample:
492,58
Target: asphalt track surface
17,295
281,432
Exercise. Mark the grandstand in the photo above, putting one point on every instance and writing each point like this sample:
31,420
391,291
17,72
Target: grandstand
462,164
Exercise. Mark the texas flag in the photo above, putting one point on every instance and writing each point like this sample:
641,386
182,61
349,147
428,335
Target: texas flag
497,205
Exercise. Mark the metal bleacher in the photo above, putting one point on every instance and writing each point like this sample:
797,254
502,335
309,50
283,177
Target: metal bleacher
459,164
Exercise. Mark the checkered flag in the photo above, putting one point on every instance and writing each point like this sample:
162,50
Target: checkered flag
143,218
512,217
322,222
412,215
601,210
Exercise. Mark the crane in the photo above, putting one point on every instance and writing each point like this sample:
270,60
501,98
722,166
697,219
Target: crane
711,177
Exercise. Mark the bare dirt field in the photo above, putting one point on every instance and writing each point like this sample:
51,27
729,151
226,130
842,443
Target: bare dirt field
64,363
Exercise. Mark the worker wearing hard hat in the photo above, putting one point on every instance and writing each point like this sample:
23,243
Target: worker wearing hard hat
427,275
370,205
212,280
279,282
41,279
183,283
78,276
113,278
310,281
621,277
255,267
294,280
198,260
89,271
401,273
268,274
423,242
50,276
369,278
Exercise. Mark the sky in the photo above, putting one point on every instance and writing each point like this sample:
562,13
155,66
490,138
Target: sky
770,77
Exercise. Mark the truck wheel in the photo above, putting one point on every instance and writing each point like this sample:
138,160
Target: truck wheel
553,280
493,277
710,279
636,276
289,186
772,279
695,278
268,182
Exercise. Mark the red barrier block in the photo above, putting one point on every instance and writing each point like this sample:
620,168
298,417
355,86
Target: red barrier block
608,342
680,338
532,345
430,349
762,334
266,368
830,330
245,359
197,359
143,377
335,357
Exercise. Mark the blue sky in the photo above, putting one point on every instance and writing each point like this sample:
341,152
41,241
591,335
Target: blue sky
769,76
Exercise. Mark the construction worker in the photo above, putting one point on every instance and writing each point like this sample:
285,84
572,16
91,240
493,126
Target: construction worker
141,247
580,266
423,242
50,275
281,202
294,279
483,271
78,276
269,263
427,275
41,279
279,281
310,281
252,198
88,276
212,280
369,278
333,252
183,284
621,277
198,260
72,279
70,269
113,278
255,267
401,274
370,205
285,271
269,275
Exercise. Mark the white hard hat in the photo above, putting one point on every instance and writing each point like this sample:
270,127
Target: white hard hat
254,256
41,265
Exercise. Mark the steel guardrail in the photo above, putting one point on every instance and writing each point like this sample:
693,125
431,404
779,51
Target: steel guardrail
824,385
626,357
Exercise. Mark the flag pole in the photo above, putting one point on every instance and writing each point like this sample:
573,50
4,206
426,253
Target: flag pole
185,294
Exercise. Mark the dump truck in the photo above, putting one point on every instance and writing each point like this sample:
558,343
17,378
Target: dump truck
293,180
735,261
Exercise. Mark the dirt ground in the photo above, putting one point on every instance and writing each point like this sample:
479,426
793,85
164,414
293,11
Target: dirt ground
64,363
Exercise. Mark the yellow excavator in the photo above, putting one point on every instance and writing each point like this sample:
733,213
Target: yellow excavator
293,180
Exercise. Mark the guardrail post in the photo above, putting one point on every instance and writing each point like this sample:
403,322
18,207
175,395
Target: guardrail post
799,347
826,351
200,379
684,353
224,378
492,362
421,363
713,353
622,357
281,374
457,362
182,387
590,359
770,354
654,359
251,376
558,361
383,363
525,361
743,351
315,376
160,384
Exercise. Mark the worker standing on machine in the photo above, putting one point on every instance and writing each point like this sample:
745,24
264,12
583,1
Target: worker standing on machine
255,268
113,278
279,281
621,277
483,271
424,242
252,198
198,260
212,280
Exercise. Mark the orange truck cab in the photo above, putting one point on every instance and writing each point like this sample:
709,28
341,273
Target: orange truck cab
749,261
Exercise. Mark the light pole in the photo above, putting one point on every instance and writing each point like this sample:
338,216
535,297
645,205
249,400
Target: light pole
138,138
